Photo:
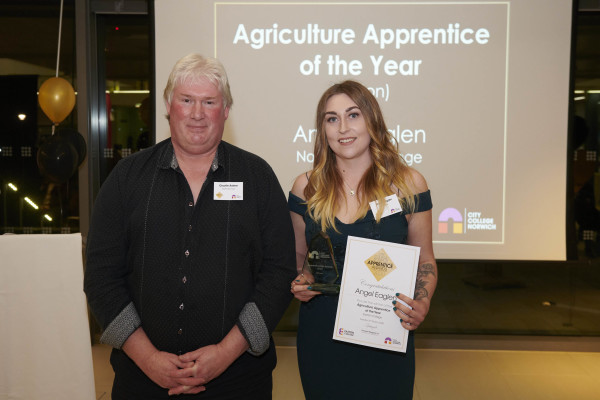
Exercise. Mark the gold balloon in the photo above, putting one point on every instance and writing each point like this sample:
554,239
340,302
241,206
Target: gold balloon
57,99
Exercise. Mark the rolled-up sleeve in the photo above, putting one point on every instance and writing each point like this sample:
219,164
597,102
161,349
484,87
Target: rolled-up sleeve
253,327
117,332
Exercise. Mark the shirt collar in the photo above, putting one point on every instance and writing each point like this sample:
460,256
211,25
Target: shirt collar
168,159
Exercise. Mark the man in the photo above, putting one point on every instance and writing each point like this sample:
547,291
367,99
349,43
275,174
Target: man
190,255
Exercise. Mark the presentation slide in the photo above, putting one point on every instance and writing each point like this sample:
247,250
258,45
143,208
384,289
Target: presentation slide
475,94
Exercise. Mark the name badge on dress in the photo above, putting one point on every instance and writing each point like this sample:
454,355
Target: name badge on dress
392,206
229,191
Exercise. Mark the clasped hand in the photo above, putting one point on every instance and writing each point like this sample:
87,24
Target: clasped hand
187,373
201,366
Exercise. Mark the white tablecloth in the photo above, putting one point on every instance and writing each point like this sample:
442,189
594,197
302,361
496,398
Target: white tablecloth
45,349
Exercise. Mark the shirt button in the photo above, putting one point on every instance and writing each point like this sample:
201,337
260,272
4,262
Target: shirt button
181,306
189,228
191,204
184,280
187,253
180,331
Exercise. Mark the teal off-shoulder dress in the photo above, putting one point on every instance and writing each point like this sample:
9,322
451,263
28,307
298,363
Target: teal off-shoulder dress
330,369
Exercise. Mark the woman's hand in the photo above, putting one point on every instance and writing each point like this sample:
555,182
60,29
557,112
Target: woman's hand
300,288
413,315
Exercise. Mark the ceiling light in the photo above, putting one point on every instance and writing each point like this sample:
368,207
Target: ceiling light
31,203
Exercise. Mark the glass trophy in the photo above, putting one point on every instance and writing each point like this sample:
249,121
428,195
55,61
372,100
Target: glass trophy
319,265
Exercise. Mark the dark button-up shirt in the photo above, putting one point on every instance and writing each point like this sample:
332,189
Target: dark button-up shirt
187,273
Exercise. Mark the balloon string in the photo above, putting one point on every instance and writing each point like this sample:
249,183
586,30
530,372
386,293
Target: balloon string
59,33
58,49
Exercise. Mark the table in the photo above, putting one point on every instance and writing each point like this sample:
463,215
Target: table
45,346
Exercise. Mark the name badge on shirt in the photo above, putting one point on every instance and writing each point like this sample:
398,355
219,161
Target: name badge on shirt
229,191
392,206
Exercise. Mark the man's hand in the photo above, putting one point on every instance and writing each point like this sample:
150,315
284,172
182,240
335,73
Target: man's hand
159,366
208,362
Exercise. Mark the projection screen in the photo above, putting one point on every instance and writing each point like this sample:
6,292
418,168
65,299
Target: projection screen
474,92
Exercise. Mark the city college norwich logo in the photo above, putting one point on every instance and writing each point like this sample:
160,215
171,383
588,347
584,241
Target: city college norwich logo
380,264
444,221
452,221
346,332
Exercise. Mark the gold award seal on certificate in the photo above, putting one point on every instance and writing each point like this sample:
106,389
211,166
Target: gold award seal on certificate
374,271
380,264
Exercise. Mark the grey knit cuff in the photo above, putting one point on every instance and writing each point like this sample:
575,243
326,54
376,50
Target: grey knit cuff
254,329
117,332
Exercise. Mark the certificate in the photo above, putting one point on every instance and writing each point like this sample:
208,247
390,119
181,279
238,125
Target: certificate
374,271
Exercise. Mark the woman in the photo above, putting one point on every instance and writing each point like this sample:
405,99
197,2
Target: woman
355,163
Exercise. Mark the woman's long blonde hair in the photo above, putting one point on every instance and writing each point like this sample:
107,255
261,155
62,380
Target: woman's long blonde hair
324,190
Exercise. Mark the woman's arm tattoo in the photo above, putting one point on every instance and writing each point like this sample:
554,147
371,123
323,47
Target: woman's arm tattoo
422,273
